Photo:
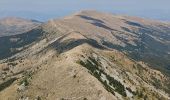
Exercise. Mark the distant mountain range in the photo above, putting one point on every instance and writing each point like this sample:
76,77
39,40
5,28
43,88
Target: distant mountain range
14,25
85,56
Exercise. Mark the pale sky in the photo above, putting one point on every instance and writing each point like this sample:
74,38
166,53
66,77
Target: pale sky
46,9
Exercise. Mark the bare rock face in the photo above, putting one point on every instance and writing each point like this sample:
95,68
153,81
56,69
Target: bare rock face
87,56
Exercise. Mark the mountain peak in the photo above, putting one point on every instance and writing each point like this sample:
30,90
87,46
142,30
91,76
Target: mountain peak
88,12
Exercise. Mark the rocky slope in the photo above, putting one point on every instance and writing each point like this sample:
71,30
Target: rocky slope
88,56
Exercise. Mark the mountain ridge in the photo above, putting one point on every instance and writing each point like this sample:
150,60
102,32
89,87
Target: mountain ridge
88,56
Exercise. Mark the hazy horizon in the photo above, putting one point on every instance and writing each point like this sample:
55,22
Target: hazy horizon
44,10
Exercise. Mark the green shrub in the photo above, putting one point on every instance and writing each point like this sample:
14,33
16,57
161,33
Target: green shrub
24,81
93,66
